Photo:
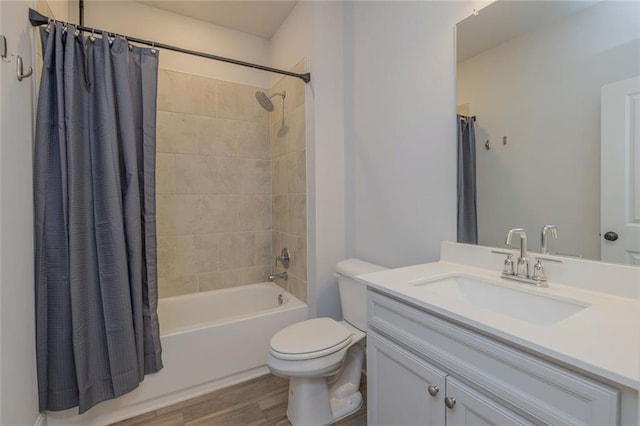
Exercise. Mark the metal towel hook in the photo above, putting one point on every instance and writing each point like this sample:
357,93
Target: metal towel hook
20,71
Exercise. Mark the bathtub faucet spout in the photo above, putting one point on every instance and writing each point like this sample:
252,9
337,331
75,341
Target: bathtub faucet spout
283,276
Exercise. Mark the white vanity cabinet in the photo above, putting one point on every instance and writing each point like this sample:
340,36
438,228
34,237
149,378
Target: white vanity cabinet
411,350
405,390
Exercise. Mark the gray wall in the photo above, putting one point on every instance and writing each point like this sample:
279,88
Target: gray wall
400,135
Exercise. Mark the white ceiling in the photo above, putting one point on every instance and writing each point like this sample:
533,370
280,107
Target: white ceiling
504,20
260,18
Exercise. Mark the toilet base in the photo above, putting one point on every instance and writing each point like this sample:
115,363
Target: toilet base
319,401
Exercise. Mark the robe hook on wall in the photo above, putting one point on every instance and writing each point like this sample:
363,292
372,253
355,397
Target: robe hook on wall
20,71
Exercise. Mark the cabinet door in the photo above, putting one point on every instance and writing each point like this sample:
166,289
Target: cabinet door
401,388
466,406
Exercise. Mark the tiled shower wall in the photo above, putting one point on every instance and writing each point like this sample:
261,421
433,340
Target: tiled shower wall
231,184
288,163
214,189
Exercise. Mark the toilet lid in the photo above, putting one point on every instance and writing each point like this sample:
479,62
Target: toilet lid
310,339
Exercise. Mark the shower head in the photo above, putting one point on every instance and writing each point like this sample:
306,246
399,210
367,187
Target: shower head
265,101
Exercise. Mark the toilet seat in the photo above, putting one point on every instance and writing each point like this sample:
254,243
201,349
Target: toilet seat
310,339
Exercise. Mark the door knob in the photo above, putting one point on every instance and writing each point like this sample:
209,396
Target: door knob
610,236
449,402
433,390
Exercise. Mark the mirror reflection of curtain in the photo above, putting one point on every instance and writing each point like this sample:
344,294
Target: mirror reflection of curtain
97,331
467,210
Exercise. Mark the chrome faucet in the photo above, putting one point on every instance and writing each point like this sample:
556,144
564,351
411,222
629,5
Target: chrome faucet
544,243
522,272
283,276
285,260
522,268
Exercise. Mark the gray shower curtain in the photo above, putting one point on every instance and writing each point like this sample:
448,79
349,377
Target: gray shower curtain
467,211
97,330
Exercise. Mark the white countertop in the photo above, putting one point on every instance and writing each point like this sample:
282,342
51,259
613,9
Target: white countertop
603,338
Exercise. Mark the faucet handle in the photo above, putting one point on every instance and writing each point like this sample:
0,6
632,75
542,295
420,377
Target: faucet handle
508,267
284,258
538,268
538,271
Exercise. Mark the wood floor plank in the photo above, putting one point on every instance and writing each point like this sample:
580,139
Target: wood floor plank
243,416
257,402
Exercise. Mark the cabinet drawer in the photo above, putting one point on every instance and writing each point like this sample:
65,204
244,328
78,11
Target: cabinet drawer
540,390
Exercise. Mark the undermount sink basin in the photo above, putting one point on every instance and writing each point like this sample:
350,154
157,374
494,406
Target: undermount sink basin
526,304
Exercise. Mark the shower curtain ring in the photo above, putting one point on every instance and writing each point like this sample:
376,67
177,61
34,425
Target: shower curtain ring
153,48
92,37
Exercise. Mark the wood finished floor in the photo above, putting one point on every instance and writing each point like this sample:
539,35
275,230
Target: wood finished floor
258,402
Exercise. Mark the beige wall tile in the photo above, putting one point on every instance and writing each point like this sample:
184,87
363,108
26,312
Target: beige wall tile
165,173
255,176
229,174
277,176
187,217
232,138
300,265
255,274
187,93
278,135
301,172
165,215
175,286
263,248
254,213
219,213
298,287
175,132
237,250
207,246
218,280
277,244
298,214
166,257
195,174
289,172
253,141
297,137
186,255
215,136
281,213
164,90
236,101
197,254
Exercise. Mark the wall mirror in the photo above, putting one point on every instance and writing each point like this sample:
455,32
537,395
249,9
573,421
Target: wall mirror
555,91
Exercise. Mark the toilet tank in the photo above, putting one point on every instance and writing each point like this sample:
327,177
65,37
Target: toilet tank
353,295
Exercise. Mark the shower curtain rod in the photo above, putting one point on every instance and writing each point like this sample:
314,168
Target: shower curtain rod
37,19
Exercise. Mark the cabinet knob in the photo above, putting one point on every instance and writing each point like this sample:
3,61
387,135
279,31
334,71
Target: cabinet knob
433,390
449,402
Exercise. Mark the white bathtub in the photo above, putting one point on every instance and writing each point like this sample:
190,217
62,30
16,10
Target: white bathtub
209,340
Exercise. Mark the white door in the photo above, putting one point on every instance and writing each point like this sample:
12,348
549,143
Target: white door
620,172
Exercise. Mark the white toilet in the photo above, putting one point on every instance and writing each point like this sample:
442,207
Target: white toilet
323,358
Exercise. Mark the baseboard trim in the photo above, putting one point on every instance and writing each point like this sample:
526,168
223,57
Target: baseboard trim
41,420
